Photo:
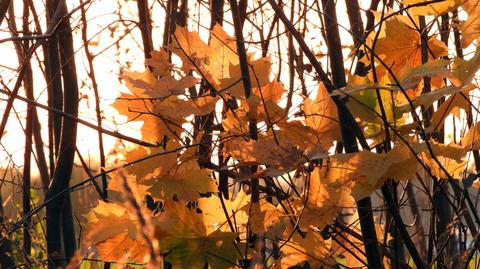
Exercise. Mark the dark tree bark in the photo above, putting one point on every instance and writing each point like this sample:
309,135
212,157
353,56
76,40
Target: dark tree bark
61,243
54,87
21,48
145,25
4,4
350,144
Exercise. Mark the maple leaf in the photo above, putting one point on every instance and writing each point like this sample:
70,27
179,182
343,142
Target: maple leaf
266,219
162,117
312,248
315,143
365,106
436,69
458,100
155,127
427,99
185,242
186,181
401,46
115,184
463,71
471,140
324,202
152,166
450,158
272,91
211,61
259,71
164,86
160,62
321,114
366,171
429,8
470,28
113,230
279,158
214,215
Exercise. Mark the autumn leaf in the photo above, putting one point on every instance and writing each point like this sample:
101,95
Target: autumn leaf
185,243
463,71
259,71
401,46
314,143
312,248
435,69
164,86
471,140
185,181
155,127
212,60
324,202
365,106
272,91
151,166
366,171
162,117
321,114
112,229
116,185
215,217
456,101
160,62
470,28
266,219
429,8
279,158
449,157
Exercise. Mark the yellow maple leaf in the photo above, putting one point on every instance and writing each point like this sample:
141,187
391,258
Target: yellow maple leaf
430,8
321,114
152,166
160,62
186,181
164,86
456,101
185,242
463,71
155,127
112,229
324,202
401,46
266,219
210,60
259,71
279,158
214,215
312,248
471,140
366,171
470,28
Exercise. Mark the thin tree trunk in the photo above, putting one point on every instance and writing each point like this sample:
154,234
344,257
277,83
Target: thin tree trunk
145,25
21,48
61,243
4,4
54,87
93,78
338,74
